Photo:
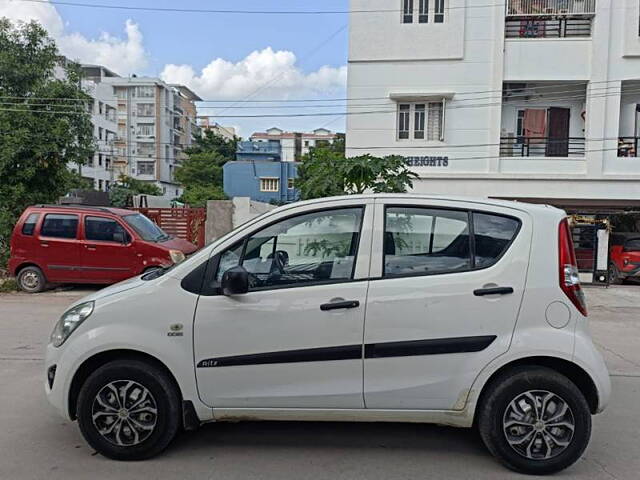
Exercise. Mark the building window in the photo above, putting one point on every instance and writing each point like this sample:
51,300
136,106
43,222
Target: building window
407,11
269,184
100,185
146,149
146,109
146,130
107,163
426,120
145,92
291,183
146,168
438,14
404,114
100,134
423,16
99,159
107,185
419,121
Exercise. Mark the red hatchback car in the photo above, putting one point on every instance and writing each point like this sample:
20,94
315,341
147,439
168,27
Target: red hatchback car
624,259
77,244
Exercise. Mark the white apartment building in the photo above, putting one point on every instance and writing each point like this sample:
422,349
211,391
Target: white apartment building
206,124
523,99
99,169
295,144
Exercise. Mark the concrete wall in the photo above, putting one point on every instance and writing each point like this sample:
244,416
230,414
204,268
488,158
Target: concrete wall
225,215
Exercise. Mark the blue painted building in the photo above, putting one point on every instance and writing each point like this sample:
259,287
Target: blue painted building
260,173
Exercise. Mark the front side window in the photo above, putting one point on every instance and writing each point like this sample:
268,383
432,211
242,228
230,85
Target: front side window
29,225
102,229
314,248
492,235
424,241
59,226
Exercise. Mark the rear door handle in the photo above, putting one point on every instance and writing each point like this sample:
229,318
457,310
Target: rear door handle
339,305
482,292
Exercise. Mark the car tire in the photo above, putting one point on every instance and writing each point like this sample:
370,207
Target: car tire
31,279
614,275
129,410
514,400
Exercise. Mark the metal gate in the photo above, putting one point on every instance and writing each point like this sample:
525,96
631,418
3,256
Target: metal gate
185,223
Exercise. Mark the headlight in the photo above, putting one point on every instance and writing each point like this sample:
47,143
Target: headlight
69,322
176,256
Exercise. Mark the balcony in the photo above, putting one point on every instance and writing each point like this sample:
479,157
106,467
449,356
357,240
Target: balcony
520,8
549,18
542,147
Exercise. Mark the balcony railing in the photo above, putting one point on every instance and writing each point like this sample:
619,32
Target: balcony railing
563,27
628,146
542,147
519,8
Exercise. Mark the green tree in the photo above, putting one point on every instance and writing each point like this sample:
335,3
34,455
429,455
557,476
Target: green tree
326,172
201,173
42,128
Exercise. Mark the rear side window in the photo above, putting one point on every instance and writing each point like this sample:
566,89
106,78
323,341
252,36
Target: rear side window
632,245
102,229
422,241
492,236
29,225
59,226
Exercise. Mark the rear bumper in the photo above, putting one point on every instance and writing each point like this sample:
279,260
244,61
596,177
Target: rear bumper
631,270
590,359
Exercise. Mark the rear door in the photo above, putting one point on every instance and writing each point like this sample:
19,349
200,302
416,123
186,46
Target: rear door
60,248
107,252
450,279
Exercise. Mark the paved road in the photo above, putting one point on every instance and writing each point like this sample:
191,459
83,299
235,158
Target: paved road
36,444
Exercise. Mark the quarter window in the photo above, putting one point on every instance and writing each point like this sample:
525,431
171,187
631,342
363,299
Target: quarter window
104,230
492,235
420,241
303,250
29,225
59,226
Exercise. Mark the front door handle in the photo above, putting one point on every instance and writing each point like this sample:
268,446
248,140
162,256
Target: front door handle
339,305
482,292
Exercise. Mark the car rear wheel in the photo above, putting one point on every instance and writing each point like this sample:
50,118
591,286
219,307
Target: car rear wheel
31,279
129,410
535,420
614,275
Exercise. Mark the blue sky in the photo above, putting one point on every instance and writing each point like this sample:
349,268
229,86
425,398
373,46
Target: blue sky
269,53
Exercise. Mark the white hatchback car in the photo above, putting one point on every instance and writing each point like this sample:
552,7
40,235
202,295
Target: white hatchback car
399,308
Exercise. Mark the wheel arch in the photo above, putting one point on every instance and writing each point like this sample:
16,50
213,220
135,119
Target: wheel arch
24,265
102,358
569,369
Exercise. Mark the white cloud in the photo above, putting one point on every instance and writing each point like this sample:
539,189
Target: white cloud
124,55
273,73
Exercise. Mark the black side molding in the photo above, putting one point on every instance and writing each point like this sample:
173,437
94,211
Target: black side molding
493,291
428,347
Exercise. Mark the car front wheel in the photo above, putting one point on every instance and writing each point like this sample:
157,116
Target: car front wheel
535,420
129,410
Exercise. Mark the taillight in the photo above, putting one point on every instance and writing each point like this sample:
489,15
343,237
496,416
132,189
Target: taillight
568,266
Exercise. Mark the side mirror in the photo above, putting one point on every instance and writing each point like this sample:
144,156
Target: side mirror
235,281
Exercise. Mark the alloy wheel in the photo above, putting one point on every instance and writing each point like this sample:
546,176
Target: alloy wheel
125,413
538,425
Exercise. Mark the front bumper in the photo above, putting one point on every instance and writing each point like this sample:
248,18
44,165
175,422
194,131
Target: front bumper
57,391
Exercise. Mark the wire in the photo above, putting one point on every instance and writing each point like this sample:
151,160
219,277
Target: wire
239,12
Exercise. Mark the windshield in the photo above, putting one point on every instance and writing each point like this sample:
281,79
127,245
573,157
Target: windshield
148,230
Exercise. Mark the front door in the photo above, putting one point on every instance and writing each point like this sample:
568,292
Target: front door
558,145
107,252
60,248
295,340
451,283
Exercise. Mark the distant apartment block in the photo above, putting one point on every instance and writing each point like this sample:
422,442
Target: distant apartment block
295,144
207,125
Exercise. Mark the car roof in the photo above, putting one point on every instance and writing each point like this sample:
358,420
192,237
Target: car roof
86,208
529,207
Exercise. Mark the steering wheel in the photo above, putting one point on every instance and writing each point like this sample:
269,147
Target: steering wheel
280,260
